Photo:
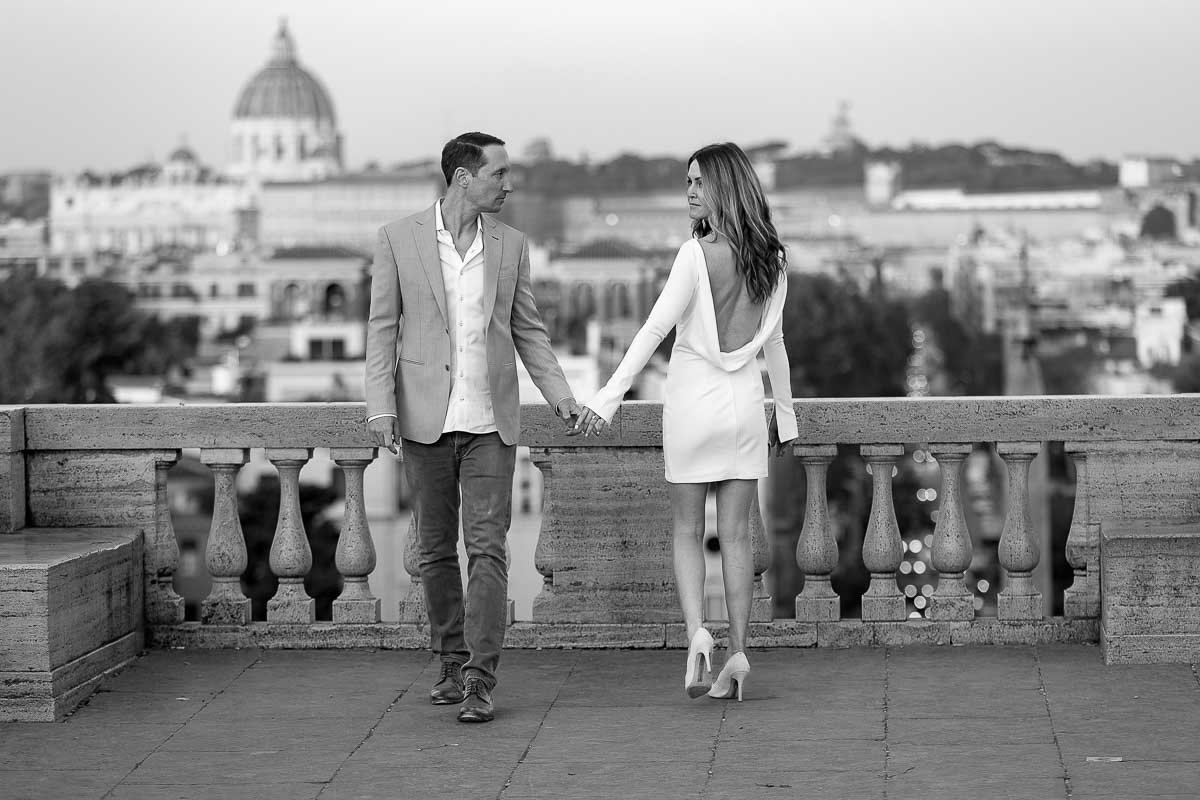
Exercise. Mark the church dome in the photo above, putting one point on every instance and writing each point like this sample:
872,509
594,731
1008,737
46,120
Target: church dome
284,89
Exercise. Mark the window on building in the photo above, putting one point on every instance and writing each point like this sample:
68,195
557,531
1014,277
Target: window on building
326,349
245,290
214,291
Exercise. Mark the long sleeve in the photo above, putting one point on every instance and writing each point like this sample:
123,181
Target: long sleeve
383,331
780,375
676,295
532,341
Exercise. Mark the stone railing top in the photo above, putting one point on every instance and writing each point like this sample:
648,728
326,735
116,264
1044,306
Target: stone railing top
638,424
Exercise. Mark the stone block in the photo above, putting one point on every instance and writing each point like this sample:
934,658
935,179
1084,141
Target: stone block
70,612
818,609
356,612
12,469
846,633
1150,606
884,608
1020,608
952,609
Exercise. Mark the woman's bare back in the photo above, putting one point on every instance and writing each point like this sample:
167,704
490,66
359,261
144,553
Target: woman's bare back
738,316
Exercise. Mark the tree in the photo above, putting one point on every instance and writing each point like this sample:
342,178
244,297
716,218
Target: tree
1189,290
843,343
971,361
1159,223
60,345
1186,376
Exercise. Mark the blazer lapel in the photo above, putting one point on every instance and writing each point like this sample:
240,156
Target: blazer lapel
493,257
425,238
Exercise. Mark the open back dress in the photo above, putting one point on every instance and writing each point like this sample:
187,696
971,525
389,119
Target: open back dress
713,423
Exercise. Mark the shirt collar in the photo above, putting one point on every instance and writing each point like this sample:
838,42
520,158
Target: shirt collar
440,225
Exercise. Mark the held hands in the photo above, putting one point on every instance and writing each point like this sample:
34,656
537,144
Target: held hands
569,412
385,433
591,423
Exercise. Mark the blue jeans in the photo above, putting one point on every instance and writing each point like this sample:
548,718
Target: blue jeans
476,468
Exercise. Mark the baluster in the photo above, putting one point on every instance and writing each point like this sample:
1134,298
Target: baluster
544,554
1020,598
952,599
882,550
163,603
1082,598
413,608
355,557
225,551
816,550
291,557
762,607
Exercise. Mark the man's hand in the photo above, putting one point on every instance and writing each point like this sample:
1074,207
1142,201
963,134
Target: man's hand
569,412
385,433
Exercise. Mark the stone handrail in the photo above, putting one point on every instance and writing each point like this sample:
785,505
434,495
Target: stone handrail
604,548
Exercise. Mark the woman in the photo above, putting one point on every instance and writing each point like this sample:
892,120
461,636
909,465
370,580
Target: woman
725,296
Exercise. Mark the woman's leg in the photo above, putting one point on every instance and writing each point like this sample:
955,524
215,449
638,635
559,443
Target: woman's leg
687,513
737,556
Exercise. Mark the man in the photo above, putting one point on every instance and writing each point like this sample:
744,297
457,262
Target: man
451,305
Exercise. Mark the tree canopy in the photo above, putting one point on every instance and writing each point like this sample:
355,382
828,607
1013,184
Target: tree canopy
61,345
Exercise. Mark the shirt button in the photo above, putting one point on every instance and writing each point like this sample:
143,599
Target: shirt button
447,368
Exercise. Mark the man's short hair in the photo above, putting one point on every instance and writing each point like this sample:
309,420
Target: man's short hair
466,150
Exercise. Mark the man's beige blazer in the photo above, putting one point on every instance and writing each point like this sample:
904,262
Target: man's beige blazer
408,335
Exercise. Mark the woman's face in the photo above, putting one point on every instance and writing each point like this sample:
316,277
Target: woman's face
698,207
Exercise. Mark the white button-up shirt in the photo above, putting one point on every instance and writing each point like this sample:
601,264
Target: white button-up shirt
470,409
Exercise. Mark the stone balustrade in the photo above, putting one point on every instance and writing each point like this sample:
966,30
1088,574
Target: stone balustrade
604,546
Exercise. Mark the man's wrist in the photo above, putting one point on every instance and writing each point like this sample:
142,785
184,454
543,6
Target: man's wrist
558,408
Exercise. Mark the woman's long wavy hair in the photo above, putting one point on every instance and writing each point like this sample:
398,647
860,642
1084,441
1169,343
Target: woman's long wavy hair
739,212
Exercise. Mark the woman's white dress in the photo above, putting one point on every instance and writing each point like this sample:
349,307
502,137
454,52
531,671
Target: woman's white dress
713,423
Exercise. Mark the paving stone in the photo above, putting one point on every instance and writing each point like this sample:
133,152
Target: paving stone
136,708
774,782
45,784
830,755
586,780
397,782
977,785
975,729
78,745
244,791
944,762
1126,779
236,767
960,722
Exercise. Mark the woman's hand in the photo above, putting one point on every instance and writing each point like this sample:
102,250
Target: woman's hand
592,423
777,447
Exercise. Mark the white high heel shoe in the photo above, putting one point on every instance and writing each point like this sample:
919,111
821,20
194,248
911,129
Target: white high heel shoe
732,678
697,678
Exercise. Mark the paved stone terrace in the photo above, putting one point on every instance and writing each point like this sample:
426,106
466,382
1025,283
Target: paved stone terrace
909,722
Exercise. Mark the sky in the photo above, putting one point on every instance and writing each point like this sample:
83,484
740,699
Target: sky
106,84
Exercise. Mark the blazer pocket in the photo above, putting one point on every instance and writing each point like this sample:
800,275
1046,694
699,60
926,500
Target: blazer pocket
408,360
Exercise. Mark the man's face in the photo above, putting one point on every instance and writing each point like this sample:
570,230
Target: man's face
488,188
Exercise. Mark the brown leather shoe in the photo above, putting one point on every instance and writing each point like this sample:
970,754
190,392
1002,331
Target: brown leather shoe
449,688
477,705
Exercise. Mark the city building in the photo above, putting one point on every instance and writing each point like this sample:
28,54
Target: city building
284,126
179,203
